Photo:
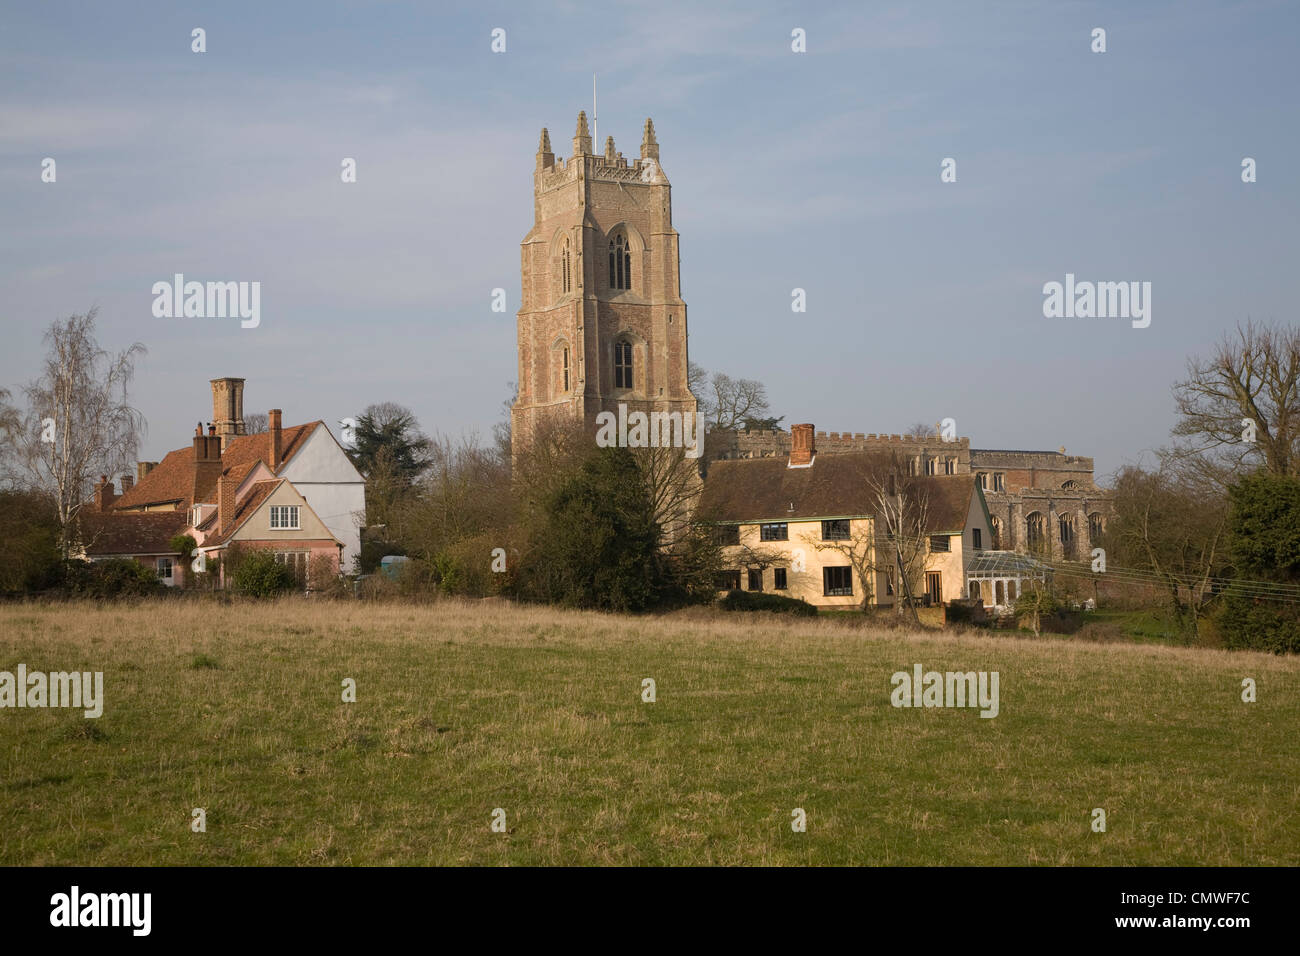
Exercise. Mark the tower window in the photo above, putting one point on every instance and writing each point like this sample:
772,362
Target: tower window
566,370
567,261
622,364
620,263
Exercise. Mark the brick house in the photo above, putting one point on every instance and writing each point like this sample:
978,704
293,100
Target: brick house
229,488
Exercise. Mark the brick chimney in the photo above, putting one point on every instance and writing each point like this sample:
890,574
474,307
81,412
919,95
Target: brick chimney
225,504
127,482
801,445
104,495
142,469
273,425
228,408
207,463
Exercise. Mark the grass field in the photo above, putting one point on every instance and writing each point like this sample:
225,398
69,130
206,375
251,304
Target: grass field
466,707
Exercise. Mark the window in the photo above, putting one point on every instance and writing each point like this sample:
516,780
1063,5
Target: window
567,262
778,579
727,534
998,483
932,466
912,466
999,595
934,586
622,364
729,581
1034,535
196,515
1095,528
295,561
620,263
950,466
756,579
1070,486
284,516
1066,525
837,530
996,524
983,479
164,566
837,582
889,580
977,537
1011,591
975,590
940,542
774,532
566,370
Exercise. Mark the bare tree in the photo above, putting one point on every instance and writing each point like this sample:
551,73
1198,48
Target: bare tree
79,422
255,423
922,432
1241,406
727,402
894,540
1172,523
673,483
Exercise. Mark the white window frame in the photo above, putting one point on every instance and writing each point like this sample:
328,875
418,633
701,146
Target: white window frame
278,518
171,565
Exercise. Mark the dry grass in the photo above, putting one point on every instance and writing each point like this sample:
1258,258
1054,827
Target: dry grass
464,707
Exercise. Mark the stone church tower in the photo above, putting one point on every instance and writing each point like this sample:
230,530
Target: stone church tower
601,321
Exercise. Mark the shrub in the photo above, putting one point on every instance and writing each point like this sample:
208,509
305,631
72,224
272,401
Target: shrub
323,576
760,601
116,577
1250,623
258,574
597,545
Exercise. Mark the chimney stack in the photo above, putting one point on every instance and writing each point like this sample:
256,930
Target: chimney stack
127,482
104,495
225,504
228,408
142,469
801,445
273,425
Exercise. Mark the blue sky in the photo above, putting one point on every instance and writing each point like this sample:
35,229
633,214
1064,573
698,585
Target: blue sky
816,170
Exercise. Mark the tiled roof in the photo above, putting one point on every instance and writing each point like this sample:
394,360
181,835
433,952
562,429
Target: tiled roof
260,491
836,486
173,478
255,448
146,532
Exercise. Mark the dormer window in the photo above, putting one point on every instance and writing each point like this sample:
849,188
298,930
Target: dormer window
620,262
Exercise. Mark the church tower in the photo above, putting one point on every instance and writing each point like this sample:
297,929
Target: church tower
601,321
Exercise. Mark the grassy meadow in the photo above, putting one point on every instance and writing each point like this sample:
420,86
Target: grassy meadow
466,707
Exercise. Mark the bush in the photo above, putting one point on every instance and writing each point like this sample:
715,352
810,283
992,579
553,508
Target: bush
258,574
597,545
1249,623
760,601
29,530
465,567
323,576
114,578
